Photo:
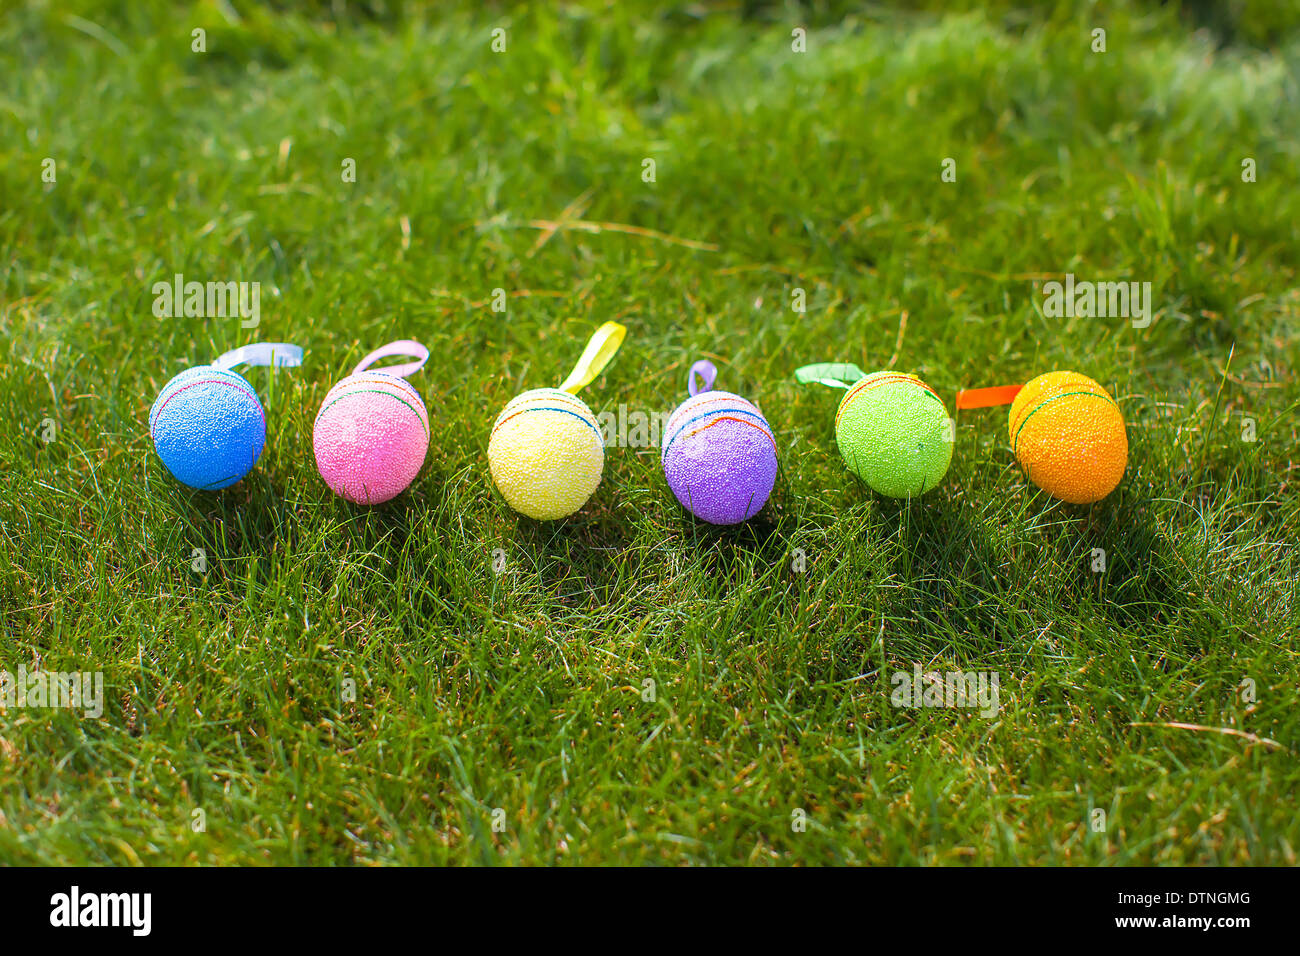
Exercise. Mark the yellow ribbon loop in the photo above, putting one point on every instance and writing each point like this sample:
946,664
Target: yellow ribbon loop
600,349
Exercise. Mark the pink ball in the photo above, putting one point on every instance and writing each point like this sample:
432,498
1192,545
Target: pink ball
371,436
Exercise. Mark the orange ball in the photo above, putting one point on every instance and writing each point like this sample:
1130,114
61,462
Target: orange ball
1068,435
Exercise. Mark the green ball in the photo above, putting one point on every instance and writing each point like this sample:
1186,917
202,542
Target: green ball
894,433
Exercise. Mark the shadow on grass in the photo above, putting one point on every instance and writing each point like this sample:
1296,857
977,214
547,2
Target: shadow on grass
580,561
750,546
247,519
262,519
601,555
1109,560
1115,562
948,566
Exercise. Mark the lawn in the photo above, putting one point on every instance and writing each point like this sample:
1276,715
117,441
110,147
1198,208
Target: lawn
439,680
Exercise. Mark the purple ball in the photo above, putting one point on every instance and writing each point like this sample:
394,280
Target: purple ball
719,457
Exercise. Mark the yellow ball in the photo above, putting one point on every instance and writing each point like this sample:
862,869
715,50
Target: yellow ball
546,453
1068,435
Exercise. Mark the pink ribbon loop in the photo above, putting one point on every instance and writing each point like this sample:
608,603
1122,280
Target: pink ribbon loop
400,347
708,373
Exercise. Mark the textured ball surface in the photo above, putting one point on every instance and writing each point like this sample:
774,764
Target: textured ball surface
719,457
371,436
1068,435
893,432
208,427
546,453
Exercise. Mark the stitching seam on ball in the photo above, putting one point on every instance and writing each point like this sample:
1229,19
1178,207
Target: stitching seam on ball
523,411
546,395
385,380
516,405
697,402
674,429
377,391
1047,401
722,417
207,381
869,383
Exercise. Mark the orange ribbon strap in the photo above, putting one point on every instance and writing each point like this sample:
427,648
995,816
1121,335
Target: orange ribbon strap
987,397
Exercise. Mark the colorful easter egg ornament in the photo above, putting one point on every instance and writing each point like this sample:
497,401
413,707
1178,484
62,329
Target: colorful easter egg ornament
893,430
719,455
208,425
372,430
1066,432
546,453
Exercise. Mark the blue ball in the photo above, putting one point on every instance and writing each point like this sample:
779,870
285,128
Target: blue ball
208,427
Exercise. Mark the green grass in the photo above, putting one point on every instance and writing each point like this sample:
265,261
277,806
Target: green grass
525,691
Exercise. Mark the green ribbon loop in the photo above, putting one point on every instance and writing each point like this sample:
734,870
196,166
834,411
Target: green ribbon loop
833,374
